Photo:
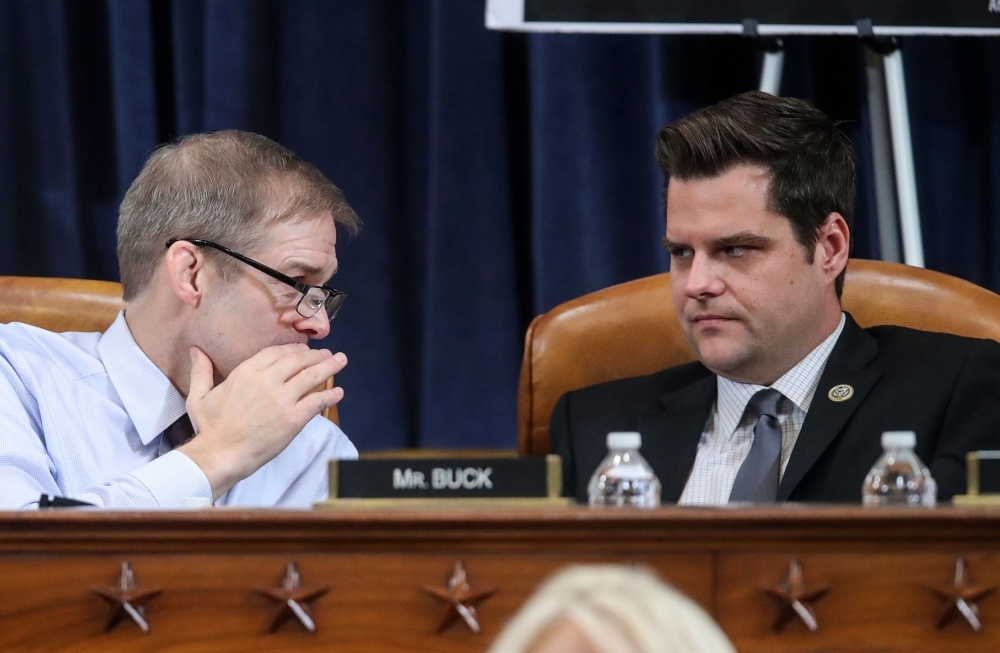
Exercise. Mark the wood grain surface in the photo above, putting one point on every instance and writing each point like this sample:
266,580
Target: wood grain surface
210,563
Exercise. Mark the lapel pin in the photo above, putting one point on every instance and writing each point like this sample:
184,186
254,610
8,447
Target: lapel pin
841,392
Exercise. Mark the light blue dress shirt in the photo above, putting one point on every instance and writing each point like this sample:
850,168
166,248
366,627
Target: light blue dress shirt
82,415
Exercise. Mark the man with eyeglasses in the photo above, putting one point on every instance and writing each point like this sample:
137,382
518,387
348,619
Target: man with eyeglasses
204,389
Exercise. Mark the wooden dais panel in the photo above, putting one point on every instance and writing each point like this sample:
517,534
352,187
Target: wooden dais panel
381,580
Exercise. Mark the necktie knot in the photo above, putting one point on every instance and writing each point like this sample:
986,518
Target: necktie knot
765,402
180,432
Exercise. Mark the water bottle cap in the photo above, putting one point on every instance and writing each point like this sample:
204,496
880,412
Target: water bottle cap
899,440
624,440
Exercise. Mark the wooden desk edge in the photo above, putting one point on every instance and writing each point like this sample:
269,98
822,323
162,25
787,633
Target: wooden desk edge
220,529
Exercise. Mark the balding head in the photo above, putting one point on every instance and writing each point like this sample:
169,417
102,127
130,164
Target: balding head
226,187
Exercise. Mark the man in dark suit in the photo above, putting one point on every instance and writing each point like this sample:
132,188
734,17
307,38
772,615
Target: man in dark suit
789,396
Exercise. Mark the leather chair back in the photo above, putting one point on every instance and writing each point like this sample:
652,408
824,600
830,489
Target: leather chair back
60,304
631,329
73,305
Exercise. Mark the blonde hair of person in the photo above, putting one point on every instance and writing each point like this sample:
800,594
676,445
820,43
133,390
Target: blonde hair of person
618,609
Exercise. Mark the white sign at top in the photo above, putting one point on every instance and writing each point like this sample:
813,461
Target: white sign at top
888,17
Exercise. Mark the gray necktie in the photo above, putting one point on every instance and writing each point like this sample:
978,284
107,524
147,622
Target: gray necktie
757,480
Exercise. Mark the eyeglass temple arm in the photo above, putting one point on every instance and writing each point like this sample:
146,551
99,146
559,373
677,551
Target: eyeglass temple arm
274,274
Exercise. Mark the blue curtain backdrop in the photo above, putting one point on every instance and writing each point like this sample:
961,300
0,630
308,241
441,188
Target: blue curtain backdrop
497,174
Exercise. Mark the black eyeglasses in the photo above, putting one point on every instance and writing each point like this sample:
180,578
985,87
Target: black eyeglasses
314,298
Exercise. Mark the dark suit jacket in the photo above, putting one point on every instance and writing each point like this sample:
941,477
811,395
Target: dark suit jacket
945,388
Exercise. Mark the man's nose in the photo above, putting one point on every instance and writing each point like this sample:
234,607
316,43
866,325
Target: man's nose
315,327
702,278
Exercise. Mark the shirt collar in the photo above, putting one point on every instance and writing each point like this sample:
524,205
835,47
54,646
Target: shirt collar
149,398
797,384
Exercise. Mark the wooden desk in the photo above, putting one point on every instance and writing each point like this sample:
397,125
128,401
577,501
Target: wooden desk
209,564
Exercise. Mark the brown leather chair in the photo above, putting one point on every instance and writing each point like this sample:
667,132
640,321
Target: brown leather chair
60,304
72,305
632,329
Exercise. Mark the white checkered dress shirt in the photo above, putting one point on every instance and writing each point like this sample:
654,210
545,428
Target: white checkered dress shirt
728,433
82,415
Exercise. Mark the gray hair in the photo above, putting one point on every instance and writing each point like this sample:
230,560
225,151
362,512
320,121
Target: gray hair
618,609
226,187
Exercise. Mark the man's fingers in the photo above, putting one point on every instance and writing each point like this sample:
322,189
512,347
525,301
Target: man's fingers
307,379
269,355
202,376
288,366
315,403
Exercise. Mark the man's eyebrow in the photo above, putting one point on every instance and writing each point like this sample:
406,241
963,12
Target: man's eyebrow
739,239
743,239
297,268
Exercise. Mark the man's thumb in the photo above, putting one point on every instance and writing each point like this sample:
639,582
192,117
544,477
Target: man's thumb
202,376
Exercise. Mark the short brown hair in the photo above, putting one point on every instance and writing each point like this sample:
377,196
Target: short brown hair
225,187
812,163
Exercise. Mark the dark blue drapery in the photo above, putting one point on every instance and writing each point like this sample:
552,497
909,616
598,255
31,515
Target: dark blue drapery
497,174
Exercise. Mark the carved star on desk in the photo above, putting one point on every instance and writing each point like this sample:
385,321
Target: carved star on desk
460,600
796,599
126,600
295,600
962,598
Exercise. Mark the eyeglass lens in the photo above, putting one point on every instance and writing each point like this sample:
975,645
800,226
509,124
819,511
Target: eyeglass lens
316,299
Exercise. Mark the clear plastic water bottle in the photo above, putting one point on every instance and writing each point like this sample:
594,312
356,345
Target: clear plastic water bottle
624,478
899,478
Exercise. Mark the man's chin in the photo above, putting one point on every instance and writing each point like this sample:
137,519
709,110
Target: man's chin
725,361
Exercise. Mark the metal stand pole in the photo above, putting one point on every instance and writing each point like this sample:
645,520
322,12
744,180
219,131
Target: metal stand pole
885,186
902,151
774,57
770,72
902,148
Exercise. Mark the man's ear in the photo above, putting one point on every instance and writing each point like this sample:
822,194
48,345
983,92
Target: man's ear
833,245
184,267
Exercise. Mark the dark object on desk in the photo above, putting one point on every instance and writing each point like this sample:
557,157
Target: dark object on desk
982,480
983,472
451,478
52,501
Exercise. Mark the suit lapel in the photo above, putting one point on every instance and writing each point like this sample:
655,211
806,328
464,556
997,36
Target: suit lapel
671,431
826,417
